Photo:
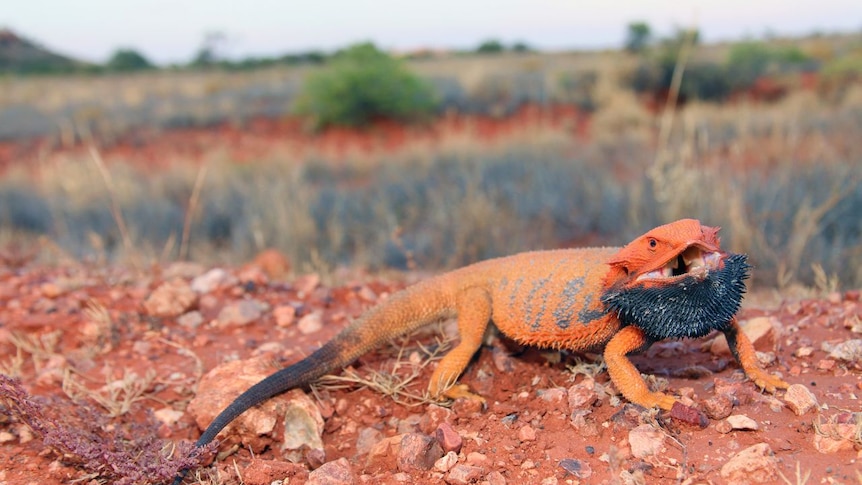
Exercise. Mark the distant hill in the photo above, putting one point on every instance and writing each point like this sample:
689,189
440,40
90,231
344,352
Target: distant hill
21,55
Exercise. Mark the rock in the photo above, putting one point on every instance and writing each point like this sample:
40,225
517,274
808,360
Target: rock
303,425
448,438
503,361
646,441
418,452
382,456
305,284
742,422
212,280
477,459
834,437
336,472
582,395
273,263
241,313
762,331
168,416
284,315
192,319
527,433
170,299
552,395
310,323
496,478
848,350
366,440
266,472
718,407
434,416
799,399
446,463
464,474
755,464
256,427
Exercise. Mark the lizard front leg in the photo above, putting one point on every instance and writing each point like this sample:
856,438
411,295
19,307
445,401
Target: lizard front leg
625,375
474,314
743,352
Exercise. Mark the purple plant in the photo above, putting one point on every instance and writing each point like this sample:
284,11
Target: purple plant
85,437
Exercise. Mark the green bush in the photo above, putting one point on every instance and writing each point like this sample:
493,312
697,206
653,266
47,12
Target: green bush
361,84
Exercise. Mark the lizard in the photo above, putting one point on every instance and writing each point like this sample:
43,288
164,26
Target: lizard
672,282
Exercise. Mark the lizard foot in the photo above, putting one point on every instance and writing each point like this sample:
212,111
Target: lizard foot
767,381
656,400
463,391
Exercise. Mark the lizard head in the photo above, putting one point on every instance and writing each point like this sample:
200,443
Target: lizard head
674,281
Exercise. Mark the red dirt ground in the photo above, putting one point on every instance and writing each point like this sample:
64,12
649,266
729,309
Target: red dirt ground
527,434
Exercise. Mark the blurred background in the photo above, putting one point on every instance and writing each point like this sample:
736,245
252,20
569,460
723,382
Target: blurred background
394,135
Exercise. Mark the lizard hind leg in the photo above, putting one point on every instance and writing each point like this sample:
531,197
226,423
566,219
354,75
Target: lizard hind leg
474,313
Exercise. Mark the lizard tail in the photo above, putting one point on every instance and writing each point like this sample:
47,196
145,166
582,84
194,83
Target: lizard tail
401,313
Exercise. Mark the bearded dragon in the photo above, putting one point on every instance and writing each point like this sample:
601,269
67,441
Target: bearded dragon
670,283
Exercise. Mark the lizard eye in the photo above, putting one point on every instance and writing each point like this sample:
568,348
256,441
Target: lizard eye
653,243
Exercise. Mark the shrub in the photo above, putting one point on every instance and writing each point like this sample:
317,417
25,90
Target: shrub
361,84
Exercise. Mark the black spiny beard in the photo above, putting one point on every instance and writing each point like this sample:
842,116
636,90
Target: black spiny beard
689,307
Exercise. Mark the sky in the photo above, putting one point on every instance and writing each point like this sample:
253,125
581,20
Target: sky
168,31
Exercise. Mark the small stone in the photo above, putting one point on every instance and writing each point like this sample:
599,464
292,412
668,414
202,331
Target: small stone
742,422
527,433
241,313
848,350
762,331
303,425
496,478
168,416
192,319
803,351
418,452
212,280
834,437
464,475
310,323
723,427
718,407
646,441
433,417
582,395
578,468
477,459
448,438
552,395
284,315
305,284
503,361
446,463
755,464
382,456
799,399
6,437
367,438
273,263
170,299
336,472
51,290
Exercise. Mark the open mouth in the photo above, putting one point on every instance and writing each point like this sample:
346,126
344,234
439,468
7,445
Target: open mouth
694,261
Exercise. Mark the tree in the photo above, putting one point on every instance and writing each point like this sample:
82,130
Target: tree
361,84
491,46
124,60
638,37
